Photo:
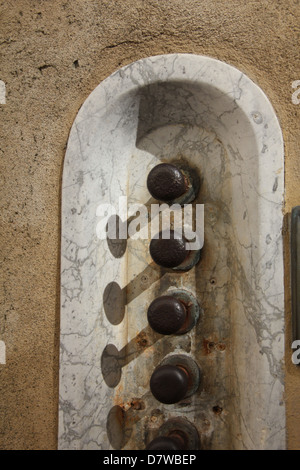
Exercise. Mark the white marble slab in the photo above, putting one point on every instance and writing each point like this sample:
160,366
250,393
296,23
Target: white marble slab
212,115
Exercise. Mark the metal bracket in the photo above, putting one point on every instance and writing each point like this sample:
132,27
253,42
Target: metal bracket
295,272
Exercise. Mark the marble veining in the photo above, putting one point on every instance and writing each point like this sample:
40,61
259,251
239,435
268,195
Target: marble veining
209,114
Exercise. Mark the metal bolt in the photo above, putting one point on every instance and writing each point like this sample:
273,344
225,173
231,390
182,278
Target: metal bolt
176,434
166,315
168,253
174,441
169,383
166,182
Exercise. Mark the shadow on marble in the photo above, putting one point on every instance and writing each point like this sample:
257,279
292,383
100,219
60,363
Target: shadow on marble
112,360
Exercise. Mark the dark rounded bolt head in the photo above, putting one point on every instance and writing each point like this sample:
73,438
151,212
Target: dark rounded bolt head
169,384
166,182
168,253
164,443
166,315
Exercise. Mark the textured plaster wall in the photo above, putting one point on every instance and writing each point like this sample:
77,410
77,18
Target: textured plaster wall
52,55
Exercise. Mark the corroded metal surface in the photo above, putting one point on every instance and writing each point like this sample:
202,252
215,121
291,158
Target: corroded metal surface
166,315
169,383
166,182
168,253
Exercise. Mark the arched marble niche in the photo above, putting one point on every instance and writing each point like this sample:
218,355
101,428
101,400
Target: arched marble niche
211,115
